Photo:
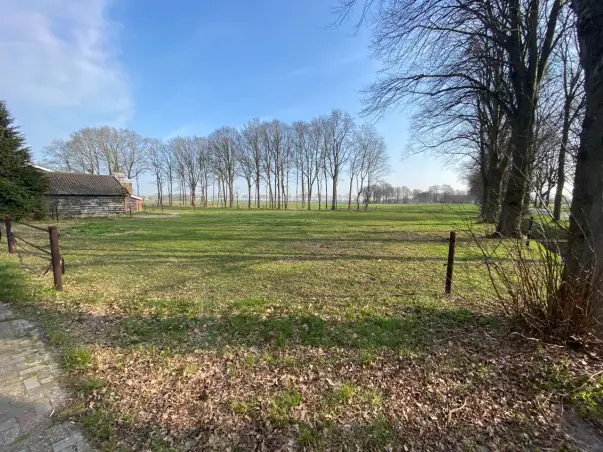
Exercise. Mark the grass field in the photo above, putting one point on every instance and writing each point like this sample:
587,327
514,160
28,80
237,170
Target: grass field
280,330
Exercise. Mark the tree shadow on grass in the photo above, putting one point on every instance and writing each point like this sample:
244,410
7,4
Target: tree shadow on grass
261,431
415,331
182,328
189,325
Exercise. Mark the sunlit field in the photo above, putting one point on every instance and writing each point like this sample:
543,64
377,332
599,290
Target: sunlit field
291,329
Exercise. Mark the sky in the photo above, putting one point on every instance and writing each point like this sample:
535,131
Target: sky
186,68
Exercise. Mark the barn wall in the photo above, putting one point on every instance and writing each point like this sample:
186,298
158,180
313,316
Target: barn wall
85,206
133,204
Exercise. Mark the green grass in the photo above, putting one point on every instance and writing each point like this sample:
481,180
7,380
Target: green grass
308,327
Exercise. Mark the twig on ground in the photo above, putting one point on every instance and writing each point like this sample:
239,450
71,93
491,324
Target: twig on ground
454,410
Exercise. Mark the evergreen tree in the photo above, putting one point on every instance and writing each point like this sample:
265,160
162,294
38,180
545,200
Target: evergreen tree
21,185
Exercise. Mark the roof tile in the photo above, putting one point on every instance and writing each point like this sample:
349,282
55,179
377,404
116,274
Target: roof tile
78,184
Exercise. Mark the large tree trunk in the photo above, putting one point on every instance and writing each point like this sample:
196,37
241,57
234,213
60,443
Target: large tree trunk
585,245
493,187
219,191
193,195
561,162
512,205
231,192
159,194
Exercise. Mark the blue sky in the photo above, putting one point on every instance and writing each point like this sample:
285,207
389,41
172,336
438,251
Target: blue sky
188,67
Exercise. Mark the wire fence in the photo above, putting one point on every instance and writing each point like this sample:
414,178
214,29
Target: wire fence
36,247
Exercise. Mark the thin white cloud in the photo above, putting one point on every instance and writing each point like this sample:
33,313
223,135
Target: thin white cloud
59,65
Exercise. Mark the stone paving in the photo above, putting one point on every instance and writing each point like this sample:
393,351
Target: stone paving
30,393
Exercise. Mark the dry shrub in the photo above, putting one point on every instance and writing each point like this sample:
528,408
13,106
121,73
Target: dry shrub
530,285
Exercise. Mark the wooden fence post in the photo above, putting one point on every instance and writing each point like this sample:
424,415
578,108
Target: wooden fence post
55,256
449,268
9,234
530,225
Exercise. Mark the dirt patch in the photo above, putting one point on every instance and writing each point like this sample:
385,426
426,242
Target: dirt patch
582,433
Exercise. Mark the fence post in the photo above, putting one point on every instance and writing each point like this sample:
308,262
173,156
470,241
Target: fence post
9,234
449,268
530,224
55,256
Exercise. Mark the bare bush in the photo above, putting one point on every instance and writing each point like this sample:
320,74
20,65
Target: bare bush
528,277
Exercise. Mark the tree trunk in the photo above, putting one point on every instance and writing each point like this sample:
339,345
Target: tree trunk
334,193
193,195
512,206
561,162
159,196
326,191
350,193
319,194
492,188
257,189
284,188
269,188
309,197
224,194
303,191
231,192
248,195
585,242
277,189
219,190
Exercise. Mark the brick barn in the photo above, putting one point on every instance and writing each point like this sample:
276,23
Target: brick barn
88,195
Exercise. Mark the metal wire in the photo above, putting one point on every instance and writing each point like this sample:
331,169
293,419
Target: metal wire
32,245
32,226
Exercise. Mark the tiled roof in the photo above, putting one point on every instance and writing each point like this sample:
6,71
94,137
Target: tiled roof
77,184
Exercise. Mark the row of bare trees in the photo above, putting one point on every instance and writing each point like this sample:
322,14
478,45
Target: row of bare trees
515,87
386,193
100,150
270,156
499,86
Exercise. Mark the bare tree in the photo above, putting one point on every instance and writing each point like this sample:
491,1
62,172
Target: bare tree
170,169
585,244
186,152
339,129
434,191
572,79
252,143
425,45
61,156
447,192
374,162
224,143
131,159
246,164
155,150
86,149
204,162
301,144
312,156
406,193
